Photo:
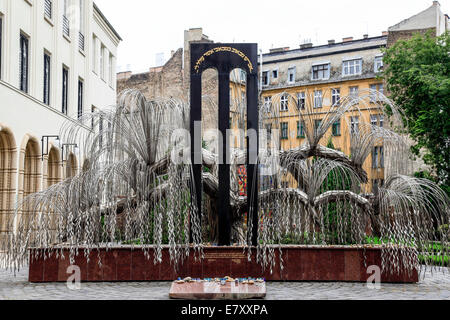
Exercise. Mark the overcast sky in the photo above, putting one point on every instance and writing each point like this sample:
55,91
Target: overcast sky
152,27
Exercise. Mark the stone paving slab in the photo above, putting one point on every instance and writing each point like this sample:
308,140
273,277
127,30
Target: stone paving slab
435,286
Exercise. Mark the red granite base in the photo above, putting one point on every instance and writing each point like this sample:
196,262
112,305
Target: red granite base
341,264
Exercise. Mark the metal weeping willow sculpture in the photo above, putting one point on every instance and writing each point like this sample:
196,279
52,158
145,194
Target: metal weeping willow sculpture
134,189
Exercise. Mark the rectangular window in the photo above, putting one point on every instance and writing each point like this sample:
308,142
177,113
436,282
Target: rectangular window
80,97
275,74
284,130
354,92
354,125
336,129
321,72
375,158
243,76
352,67
317,125
318,99
65,90
284,103
102,61
291,75
336,97
374,120
376,92
300,129
24,48
301,101
47,73
265,78
378,64
48,9
378,158
268,104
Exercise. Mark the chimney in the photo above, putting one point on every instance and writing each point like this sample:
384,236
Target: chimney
348,39
384,33
172,52
306,45
330,42
124,75
282,49
436,3
366,36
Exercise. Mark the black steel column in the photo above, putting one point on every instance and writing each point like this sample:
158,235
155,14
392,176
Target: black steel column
224,156
196,140
252,151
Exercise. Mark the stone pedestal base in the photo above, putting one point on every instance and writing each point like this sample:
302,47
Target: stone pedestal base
300,263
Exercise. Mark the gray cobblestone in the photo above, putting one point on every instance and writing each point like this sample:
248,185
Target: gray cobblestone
436,285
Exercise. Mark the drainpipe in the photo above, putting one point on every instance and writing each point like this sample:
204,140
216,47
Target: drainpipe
261,71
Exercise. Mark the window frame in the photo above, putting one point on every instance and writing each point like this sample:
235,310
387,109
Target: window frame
284,103
268,103
317,98
335,92
301,129
351,64
291,71
265,76
378,64
275,74
65,90
354,124
301,96
284,126
47,78
320,68
80,104
24,76
336,129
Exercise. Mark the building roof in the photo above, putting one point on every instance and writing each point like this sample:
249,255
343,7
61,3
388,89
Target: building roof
423,20
107,22
324,50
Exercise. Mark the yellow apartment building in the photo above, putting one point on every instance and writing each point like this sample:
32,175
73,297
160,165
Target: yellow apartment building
313,80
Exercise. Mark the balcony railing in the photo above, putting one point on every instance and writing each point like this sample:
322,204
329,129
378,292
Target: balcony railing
66,28
48,8
81,41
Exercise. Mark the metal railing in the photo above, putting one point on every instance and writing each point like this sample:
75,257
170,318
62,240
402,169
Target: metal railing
48,8
81,41
66,28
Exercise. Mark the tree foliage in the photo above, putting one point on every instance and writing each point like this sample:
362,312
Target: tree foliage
417,77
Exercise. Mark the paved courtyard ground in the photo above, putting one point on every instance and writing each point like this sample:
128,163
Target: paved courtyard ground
436,285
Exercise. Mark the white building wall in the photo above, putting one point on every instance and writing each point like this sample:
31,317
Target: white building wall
24,114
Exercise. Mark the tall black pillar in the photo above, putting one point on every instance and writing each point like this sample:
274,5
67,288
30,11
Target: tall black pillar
224,58
196,140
